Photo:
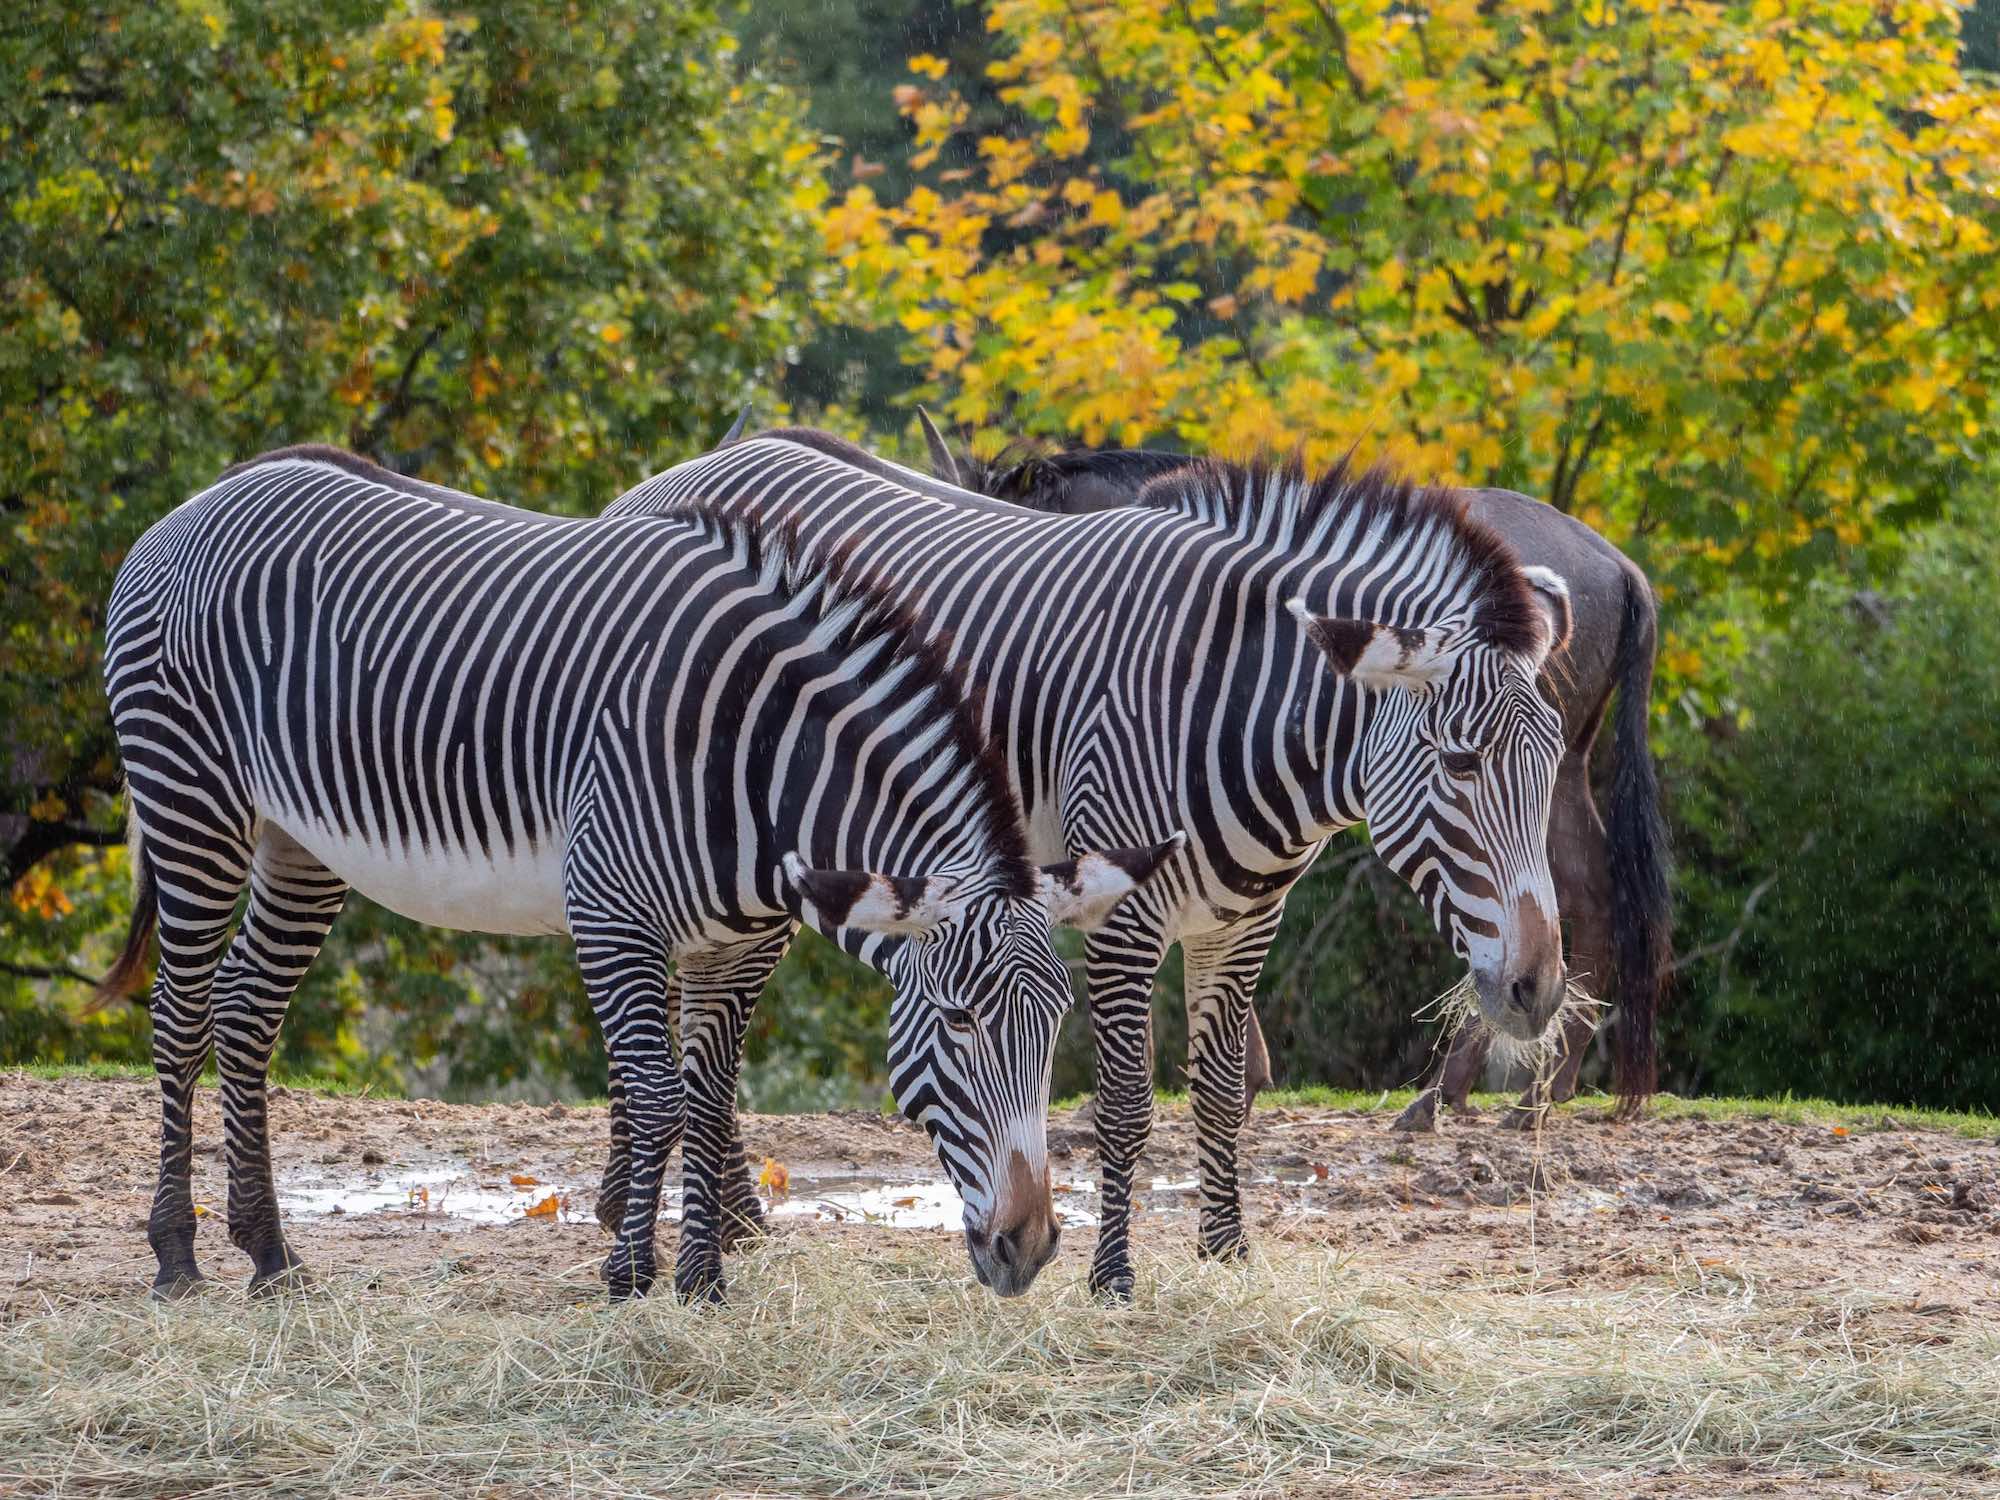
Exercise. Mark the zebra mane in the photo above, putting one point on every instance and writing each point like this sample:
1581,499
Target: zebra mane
1362,511
853,613
1032,474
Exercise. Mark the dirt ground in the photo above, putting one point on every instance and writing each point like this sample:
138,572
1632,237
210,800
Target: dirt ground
400,1185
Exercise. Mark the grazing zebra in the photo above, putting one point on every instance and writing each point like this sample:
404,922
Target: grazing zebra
671,740
1166,666
1612,885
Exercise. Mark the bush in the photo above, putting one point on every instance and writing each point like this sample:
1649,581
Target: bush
1840,851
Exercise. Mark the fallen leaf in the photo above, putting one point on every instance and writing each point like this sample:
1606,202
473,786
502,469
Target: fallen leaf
1320,1170
775,1179
546,1209
521,1179
200,1211
1840,1130
909,1202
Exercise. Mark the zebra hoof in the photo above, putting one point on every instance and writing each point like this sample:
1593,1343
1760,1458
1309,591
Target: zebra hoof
628,1281
1112,1283
700,1285
1421,1115
177,1286
1234,1250
290,1278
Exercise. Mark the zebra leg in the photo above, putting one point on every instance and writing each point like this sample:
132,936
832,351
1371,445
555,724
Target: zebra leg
625,972
1120,960
742,1211
719,988
198,884
1222,969
293,902
617,1180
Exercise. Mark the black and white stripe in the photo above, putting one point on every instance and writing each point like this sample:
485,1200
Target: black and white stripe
668,738
1165,666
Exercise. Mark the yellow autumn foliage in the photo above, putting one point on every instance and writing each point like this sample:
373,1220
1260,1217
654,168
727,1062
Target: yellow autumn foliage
1719,276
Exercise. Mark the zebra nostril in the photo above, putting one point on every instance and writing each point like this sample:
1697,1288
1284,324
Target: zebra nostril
1003,1248
1522,995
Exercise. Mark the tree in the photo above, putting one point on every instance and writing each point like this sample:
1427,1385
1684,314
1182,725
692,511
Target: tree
1719,278
524,250
1840,866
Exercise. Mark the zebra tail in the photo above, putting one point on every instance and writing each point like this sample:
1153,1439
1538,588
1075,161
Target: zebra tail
129,972
1641,901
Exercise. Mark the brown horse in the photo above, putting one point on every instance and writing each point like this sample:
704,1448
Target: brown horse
1611,883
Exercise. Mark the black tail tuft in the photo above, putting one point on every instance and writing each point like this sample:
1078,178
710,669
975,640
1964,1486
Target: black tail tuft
1641,902
129,972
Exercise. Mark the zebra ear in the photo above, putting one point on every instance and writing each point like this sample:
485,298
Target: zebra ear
870,902
1552,593
943,465
1082,892
735,433
1379,656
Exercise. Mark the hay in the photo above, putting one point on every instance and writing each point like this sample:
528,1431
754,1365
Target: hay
1458,1008
886,1371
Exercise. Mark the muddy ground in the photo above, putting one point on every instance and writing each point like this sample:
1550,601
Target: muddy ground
401,1185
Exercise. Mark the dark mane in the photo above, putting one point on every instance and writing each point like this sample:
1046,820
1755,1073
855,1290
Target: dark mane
1046,479
1280,504
882,616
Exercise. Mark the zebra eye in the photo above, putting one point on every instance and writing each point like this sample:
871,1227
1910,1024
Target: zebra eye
958,1018
1462,763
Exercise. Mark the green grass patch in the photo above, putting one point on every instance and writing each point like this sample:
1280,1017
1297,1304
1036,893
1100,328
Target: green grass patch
315,1083
1786,1109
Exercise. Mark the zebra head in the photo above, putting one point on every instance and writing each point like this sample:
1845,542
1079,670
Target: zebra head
979,993
1459,765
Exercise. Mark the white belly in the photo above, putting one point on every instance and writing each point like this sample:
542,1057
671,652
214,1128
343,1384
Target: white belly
518,892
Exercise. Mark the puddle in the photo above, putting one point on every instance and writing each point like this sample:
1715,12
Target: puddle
449,1195
452,1195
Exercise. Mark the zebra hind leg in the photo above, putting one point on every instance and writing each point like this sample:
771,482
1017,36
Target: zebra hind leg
719,989
1222,970
198,875
1120,962
624,972
293,902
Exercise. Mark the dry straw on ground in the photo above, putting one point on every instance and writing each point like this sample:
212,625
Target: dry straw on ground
887,1371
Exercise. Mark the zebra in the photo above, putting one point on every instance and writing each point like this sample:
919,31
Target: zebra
671,740
1167,666
1612,883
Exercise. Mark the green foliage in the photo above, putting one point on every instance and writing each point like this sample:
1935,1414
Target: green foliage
534,252
1840,855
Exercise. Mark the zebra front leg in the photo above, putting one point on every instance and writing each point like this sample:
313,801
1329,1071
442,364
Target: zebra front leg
196,891
719,988
1120,961
293,902
742,1211
1221,977
625,974
617,1180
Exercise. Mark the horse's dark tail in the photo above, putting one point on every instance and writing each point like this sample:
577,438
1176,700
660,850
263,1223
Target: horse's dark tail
129,972
1641,903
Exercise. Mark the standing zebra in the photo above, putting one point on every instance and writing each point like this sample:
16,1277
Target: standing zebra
1612,883
1166,666
670,740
